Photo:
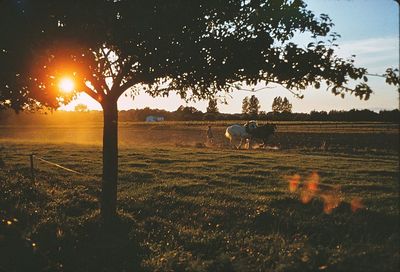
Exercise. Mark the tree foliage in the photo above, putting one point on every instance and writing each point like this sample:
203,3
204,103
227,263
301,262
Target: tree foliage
81,108
245,105
392,77
212,107
250,106
280,105
188,113
254,106
205,47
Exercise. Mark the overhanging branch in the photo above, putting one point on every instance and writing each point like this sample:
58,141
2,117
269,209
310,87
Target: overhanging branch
253,90
92,94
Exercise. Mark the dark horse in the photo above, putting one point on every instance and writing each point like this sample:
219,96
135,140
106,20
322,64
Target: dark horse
263,132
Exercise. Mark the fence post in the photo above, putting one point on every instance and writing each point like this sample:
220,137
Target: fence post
32,168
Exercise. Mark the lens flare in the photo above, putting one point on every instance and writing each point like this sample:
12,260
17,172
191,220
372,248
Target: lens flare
312,182
356,204
306,196
331,195
331,199
66,85
310,188
294,182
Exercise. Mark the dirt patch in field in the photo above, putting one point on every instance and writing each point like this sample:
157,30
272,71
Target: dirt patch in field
195,136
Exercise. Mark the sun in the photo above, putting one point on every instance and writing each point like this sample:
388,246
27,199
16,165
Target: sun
66,85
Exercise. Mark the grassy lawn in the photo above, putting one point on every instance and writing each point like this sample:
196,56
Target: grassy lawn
200,209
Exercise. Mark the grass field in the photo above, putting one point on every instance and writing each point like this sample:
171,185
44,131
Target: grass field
184,208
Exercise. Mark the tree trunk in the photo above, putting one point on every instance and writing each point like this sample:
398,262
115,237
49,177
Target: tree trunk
108,199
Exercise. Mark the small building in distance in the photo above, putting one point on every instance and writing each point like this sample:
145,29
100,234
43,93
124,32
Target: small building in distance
154,118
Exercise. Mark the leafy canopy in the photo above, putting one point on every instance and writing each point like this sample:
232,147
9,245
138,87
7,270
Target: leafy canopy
212,106
281,105
251,106
195,48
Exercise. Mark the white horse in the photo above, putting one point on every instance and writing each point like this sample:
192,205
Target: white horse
239,132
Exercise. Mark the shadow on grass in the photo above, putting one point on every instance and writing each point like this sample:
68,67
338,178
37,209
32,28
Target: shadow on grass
17,253
89,246
47,228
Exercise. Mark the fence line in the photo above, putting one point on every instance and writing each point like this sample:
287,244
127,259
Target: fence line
56,165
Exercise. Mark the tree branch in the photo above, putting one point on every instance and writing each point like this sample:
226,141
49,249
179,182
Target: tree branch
377,75
97,84
128,84
107,62
122,72
92,94
252,90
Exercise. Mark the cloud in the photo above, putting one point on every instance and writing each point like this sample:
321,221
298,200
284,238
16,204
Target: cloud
371,45
373,53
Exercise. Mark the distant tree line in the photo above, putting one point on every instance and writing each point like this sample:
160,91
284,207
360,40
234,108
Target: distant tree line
187,113
192,114
353,115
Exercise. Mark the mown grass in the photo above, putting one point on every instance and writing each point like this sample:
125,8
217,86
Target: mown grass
198,209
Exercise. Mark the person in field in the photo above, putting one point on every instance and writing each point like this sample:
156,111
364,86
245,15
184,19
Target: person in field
210,136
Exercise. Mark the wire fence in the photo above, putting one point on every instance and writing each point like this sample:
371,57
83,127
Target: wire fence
32,164
289,179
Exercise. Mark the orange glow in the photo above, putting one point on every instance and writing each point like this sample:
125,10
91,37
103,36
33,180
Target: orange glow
312,182
310,189
306,196
356,204
66,85
294,183
331,195
331,200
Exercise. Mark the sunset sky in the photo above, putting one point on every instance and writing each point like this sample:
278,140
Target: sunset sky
368,28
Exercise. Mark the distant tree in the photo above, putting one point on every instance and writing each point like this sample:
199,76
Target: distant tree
287,106
188,113
212,112
276,104
318,115
212,106
195,48
81,108
280,105
245,105
254,106
390,116
262,115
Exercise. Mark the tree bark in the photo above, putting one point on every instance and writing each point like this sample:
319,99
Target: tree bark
108,199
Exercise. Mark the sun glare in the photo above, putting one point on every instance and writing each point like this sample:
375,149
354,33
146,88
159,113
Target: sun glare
66,85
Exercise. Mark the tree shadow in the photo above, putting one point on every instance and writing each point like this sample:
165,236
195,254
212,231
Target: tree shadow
89,245
18,253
